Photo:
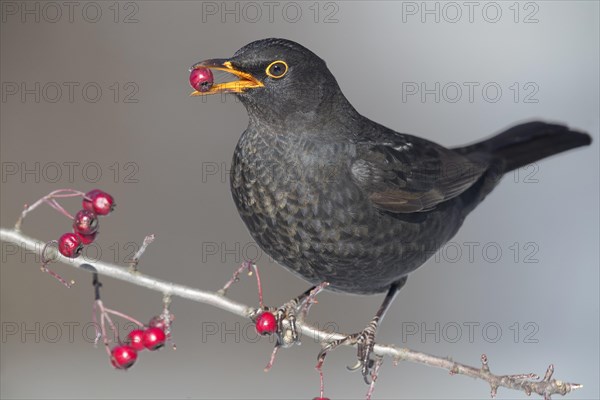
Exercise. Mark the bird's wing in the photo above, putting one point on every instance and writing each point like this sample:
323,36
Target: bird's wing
406,174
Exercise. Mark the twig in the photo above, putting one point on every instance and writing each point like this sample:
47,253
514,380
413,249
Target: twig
544,387
136,258
246,265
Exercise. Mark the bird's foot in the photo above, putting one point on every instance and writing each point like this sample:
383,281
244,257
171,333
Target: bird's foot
293,310
286,330
364,342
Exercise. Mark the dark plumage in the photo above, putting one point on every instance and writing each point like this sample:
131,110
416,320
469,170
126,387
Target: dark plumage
336,197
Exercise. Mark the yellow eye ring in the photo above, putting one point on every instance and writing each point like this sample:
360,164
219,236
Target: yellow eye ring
277,69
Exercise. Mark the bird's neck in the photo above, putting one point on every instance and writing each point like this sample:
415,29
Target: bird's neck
333,116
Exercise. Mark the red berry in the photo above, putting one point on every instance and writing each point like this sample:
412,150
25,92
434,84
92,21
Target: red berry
135,339
266,323
99,202
87,239
70,245
85,222
123,356
201,79
88,198
154,338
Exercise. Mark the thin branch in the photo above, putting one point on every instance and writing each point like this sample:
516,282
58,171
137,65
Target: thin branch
544,387
136,258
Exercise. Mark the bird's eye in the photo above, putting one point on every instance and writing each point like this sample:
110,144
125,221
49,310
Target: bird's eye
277,69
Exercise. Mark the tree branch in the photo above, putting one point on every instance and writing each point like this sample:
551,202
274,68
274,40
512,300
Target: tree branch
524,382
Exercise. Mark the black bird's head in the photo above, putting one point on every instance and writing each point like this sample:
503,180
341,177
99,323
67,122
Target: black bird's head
276,79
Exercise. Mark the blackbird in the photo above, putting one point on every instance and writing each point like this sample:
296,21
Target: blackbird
335,197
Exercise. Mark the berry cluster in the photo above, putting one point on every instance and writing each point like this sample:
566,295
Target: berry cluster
85,223
124,353
152,338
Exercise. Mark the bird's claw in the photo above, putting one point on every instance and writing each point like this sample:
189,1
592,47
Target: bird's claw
365,343
286,330
287,336
293,310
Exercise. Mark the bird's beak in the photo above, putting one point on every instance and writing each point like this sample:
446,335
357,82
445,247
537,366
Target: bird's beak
245,81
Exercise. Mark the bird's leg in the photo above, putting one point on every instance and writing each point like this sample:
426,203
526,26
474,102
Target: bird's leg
365,340
289,311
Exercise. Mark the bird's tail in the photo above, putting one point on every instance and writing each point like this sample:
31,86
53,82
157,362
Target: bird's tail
527,143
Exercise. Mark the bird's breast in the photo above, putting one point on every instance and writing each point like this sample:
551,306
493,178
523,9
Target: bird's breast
284,180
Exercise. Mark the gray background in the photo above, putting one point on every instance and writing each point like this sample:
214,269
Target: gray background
374,49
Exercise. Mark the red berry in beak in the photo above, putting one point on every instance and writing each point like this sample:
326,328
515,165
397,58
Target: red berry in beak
201,79
99,202
266,323
154,338
69,245
135,339
123,357
85,222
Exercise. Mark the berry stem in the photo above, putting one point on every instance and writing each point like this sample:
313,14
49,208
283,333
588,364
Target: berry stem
49,199
103,327
104,319
54,204
105,315
124,316
59,278
272,359
46,261
252,268
319,368
378,362
95,321
260,291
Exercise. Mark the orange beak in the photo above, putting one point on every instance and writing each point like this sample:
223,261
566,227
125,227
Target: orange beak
245,81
